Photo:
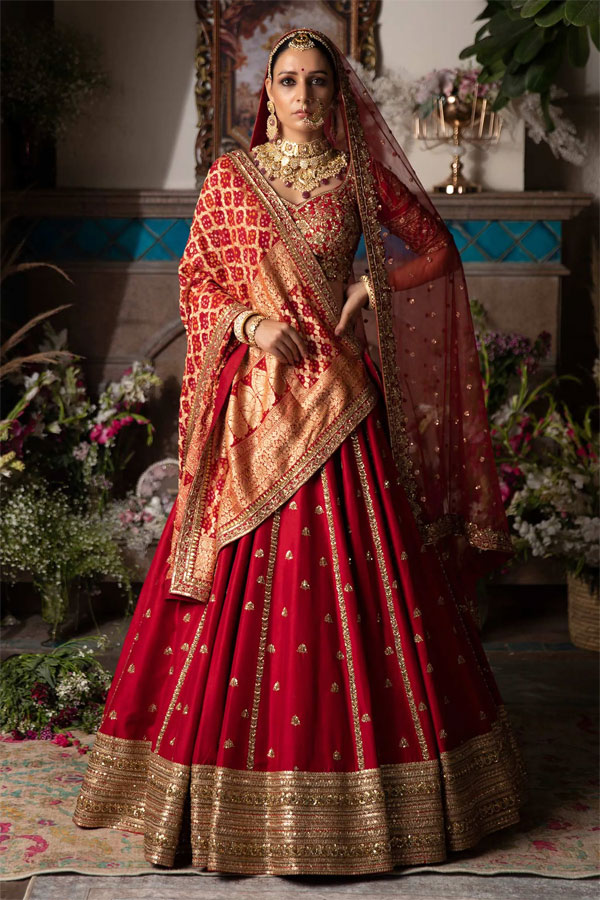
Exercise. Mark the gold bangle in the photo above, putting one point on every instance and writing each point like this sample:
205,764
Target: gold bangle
251,329
370,291
238,324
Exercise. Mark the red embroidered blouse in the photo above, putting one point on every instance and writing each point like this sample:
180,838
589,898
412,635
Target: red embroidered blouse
330,222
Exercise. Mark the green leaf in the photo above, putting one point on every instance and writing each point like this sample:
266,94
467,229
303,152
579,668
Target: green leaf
514,14
545,103
30,662
490,9
595,34
540,74
514,84
480,32
496,43
500,23
500,101
581,12
532,7
578,47
551,16
529,45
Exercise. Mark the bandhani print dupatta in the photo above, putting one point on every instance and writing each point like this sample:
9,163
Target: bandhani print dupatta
241,459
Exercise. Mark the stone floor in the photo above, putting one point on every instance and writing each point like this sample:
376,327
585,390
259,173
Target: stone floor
525,636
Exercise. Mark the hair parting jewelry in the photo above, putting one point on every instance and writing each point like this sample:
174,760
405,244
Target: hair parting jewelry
301,40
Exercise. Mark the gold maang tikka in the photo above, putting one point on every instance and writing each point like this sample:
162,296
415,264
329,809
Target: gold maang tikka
300,41
272,122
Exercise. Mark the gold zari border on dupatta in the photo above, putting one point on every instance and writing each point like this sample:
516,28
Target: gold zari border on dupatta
253,822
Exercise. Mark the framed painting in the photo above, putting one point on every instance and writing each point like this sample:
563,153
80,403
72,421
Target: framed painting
233,43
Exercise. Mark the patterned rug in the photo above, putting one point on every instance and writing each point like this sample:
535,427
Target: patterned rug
558,836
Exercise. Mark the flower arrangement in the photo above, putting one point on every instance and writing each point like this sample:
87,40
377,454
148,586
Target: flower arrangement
41,694
503,356
70,451
57,430
61,543
399,95
548,468
137,523
442,83
546,461
555,503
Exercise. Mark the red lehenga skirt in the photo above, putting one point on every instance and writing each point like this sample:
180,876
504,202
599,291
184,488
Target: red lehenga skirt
330,710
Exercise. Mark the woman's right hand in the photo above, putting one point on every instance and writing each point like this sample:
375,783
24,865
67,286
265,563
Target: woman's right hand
281,340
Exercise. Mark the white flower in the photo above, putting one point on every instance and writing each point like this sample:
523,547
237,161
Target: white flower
81,451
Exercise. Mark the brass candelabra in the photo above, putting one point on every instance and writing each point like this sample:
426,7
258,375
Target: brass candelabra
458,122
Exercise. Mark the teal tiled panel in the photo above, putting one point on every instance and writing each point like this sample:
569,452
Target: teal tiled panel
135,239
108,239
507,241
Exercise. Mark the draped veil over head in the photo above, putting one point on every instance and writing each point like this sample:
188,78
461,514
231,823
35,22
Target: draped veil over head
437,418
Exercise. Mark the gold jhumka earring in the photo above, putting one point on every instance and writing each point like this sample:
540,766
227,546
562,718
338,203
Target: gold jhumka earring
272,122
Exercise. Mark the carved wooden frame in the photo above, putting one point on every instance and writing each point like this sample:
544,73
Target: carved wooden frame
218,26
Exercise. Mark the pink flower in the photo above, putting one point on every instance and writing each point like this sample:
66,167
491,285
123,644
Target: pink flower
505,492
39,693
98,434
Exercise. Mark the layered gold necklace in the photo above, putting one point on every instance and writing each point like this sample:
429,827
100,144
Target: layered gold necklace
302,166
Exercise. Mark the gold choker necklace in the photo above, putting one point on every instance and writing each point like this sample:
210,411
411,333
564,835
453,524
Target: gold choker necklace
300,166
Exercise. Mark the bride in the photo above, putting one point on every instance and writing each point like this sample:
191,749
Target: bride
303,688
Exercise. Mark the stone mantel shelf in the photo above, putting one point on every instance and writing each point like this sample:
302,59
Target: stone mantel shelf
139,203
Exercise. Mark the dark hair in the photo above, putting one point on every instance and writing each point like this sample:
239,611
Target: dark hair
319,46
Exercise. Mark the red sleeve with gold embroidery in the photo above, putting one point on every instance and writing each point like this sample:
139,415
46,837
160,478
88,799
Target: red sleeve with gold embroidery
403,214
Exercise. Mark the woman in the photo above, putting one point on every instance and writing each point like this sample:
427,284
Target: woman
303,688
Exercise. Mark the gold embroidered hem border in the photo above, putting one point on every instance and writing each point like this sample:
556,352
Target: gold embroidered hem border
286,822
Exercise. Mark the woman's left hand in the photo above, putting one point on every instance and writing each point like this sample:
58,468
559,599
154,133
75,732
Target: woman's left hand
356,296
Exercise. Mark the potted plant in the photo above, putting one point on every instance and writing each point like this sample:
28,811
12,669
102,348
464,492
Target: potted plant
64,546
41,694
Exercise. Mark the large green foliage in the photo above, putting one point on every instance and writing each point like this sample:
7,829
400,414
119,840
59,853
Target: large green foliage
524,42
